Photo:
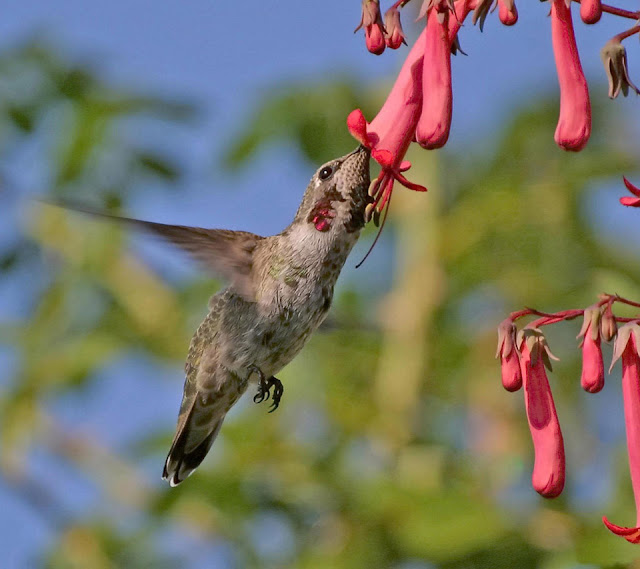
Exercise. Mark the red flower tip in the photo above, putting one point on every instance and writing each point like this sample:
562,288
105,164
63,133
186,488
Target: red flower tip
374,39
590,11
404,166
507,12
632,535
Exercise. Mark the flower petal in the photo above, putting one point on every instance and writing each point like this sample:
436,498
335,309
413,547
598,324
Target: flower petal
630,202
357,125
383,157
407,184
632,535
633,189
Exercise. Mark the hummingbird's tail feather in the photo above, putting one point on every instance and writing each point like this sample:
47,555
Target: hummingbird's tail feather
188,450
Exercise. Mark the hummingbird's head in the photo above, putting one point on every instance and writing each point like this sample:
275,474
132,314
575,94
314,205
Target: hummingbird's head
337,195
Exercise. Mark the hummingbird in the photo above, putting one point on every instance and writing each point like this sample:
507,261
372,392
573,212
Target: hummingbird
279,291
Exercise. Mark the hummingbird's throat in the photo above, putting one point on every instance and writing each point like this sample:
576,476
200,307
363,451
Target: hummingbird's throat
323,212
322,218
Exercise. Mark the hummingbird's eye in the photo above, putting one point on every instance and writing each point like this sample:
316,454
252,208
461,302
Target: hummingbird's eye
326,172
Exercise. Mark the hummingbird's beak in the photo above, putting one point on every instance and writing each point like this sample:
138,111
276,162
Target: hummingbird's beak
361,148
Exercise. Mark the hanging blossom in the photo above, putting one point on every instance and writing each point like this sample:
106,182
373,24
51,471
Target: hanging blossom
626,347
419,107
527,350
574,123
419,104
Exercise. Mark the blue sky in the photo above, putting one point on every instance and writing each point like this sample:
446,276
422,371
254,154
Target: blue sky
223,56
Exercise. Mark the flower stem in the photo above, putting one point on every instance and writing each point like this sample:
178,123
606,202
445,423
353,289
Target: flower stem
617,298
625,35
620,12
400,4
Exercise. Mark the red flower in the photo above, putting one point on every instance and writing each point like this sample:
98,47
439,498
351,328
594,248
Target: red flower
432,130
629,201
627,346
549,467
373,26
390,133
394,35
592,379
509,357
574,123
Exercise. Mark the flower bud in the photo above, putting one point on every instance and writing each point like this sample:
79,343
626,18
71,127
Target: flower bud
614,58
590,11
394,36
509,357
592,378
507,12
373,27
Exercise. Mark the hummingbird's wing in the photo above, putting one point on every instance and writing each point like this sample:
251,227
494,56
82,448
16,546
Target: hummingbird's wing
226,253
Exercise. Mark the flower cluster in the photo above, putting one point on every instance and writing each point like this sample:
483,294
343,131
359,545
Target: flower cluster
525,359
419,106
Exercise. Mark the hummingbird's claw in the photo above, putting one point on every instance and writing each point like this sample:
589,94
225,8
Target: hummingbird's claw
278,390
264,389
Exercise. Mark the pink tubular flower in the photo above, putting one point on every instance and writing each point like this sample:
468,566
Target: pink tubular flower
509,357
432,130
394,36
590,11
507,12
373,26
390,133
627,346
574,123
549,467
629,201
592,379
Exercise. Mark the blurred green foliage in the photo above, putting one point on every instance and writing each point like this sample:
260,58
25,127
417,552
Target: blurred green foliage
396,446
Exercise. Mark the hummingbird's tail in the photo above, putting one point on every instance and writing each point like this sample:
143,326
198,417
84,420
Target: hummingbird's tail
188,449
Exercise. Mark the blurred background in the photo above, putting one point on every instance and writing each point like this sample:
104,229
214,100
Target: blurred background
395,445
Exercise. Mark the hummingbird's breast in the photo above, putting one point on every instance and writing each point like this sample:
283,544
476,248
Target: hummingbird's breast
296,275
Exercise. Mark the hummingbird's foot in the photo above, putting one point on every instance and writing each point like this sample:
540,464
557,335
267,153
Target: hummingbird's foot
264,389
278,390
